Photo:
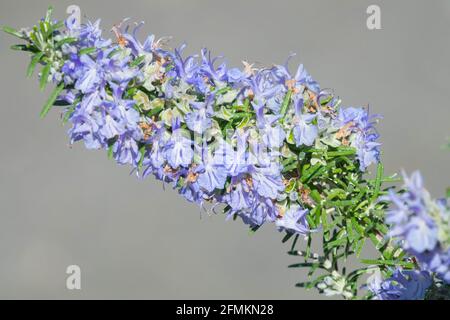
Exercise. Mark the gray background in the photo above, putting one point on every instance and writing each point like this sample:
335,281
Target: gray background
62,206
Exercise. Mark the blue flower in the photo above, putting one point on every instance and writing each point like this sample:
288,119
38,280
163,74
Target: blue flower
300,79
211,174
239,196
262,86
126,150
409,220
305,132
85,127
357,122
213,177
417,222
272,134
139,49
267,181
240,171
235,75
235,161
111,127
178,150
199,119
91,35
184,68
402,285
216,75
92,75
259,210
294,220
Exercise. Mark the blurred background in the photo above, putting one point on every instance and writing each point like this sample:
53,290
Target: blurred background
61,206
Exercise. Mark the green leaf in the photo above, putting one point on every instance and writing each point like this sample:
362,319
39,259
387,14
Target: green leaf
44,76
13,32
58,25
114,52
337,192
36,58
110,151
303,264
307,174
289,168
343,152
308,247
154,112
360,246
405,264
87,51
45,30
378,181
51,100
137,62
324,219
357,227
59,44
252,230
70,111
448,192
67,114
336,243
141,159
349,229
311,284
311,222
326,100
315,195
294,242
285,105
24,47
244,122
287,237
48,15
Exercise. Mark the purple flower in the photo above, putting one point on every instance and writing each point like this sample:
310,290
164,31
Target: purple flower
262,86
216,75
305,133
273,135
178,150
235,161
409,220
184,68
259,210
357,121
241,173
402,285
91,35
294,221
420,224
267,181
126,150
240,195
92,75
437,261
199,119
85,127
235,75
139,49
211,175
301,78
111,127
